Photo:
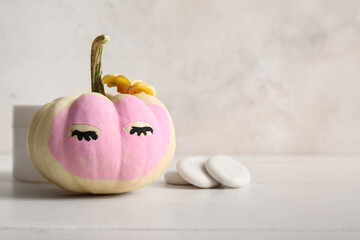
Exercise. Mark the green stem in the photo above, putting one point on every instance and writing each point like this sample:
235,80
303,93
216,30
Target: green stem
96,71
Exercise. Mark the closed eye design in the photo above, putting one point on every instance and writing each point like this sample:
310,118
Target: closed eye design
88,135
84,131
140,129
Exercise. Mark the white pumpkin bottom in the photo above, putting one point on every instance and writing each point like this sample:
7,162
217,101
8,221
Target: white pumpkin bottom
53,171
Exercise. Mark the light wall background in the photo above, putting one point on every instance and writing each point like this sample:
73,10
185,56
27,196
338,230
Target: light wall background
238,77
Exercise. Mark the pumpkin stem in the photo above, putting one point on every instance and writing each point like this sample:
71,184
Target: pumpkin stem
96,71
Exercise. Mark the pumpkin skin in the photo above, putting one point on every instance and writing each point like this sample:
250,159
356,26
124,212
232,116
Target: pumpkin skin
92,144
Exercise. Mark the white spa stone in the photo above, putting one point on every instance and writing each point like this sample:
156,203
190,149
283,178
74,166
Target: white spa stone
192,169
228,171
173,177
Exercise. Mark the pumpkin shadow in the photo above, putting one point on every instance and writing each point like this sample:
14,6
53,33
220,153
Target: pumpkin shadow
5,176
29,190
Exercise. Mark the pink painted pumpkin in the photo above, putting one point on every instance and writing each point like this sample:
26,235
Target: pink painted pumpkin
98,143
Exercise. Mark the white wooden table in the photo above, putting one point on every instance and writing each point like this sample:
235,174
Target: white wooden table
290,198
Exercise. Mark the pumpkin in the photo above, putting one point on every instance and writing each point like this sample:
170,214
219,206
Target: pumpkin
102,143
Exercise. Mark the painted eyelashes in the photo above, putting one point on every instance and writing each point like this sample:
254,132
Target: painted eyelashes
88,135
84,131
141,129
90,132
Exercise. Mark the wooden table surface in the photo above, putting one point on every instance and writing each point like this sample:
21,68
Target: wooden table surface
290,197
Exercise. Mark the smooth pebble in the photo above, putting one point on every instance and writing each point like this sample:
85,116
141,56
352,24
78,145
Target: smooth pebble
228,171
192,169
173,177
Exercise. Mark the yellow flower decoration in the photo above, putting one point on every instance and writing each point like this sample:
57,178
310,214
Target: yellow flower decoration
125,85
